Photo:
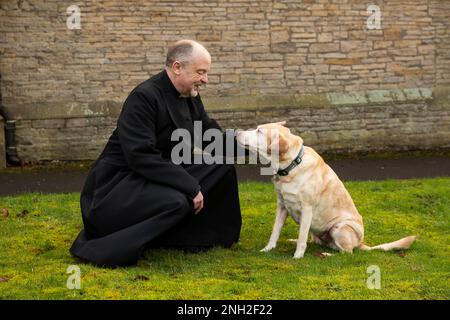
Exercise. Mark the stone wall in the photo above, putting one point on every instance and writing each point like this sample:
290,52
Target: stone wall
2,144
363,121
315,62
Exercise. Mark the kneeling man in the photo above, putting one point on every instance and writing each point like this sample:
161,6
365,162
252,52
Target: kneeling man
135,196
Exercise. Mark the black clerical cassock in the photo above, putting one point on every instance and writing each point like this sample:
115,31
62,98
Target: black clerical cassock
135,197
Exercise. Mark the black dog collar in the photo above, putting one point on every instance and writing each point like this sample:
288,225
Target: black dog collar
294,163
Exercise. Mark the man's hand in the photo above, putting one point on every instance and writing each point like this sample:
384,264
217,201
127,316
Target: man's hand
198,202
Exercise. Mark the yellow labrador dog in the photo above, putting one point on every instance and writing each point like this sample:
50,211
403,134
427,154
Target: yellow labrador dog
310,192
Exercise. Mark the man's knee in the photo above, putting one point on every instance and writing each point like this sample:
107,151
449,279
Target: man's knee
182,203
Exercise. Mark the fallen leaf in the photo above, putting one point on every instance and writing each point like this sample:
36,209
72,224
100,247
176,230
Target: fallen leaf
37,251
4,279
5,213
319,254
23,213
402,254
140,277
322,254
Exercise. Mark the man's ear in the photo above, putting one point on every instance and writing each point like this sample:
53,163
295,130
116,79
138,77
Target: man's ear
176,67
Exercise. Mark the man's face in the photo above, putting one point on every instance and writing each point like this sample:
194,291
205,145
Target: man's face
193,74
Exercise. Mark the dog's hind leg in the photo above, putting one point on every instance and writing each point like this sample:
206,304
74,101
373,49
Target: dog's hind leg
345,239
317,240
320,242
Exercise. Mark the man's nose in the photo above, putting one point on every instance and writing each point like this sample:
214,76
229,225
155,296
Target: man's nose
204,78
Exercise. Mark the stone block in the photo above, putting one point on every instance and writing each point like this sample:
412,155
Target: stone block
277,36
338,98
412,94
324,47
379,96
325,37
343,61
2,144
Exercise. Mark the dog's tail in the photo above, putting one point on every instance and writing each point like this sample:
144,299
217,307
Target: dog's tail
403,243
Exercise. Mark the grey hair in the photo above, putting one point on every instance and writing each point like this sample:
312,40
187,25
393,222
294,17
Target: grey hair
181,51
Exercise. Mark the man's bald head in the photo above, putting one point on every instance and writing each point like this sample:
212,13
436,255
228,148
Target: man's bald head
184,51
187,65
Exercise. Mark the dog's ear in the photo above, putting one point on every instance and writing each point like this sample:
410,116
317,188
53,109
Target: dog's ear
278,142
281,123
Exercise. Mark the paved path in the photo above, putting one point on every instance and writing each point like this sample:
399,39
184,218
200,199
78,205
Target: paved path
367,169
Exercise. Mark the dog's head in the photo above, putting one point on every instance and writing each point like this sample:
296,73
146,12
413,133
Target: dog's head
271,141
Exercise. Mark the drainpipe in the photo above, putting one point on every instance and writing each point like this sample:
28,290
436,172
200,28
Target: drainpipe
10,136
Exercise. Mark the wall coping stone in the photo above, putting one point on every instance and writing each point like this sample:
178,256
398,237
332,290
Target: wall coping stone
431,96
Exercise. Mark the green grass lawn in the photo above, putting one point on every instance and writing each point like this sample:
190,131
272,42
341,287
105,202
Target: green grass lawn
34,253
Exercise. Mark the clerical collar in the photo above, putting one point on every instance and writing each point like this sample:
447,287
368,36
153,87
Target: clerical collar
294,163
168,85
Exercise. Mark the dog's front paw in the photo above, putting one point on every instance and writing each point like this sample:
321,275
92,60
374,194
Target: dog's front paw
268,247
300,251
